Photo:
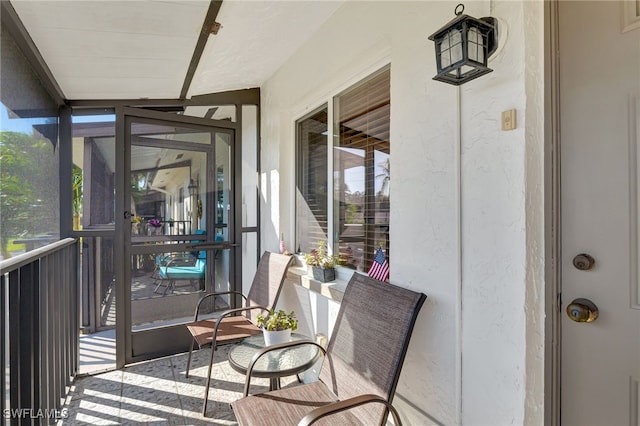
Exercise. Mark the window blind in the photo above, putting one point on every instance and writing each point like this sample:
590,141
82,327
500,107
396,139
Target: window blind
311,180
361,170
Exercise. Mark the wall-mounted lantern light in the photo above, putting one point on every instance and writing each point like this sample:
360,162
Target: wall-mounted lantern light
193,188
463,47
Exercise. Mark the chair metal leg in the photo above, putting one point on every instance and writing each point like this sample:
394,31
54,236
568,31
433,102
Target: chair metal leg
171,285
206,389
155,275
193,342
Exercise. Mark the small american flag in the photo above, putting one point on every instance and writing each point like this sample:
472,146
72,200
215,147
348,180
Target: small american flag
379,268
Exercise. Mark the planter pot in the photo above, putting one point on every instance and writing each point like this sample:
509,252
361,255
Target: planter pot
275,337
324,275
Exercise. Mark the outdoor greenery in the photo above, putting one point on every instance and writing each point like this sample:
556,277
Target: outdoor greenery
76,186
320,257
29,195
277,321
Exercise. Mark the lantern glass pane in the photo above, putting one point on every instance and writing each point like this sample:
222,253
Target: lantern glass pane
475,48
466,69
451,48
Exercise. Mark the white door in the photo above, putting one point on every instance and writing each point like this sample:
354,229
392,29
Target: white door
600,174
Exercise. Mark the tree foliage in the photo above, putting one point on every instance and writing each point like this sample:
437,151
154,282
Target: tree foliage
29,195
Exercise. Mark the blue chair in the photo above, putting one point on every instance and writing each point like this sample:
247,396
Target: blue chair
170,267
185,267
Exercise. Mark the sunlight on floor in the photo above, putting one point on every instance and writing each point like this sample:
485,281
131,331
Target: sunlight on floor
157,392
97,352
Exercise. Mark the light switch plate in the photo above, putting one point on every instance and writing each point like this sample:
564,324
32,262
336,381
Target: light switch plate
509,119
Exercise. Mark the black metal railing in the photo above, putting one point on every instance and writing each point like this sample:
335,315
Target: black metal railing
39,327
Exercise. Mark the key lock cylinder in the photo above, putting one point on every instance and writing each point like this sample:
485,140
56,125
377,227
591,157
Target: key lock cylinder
581,309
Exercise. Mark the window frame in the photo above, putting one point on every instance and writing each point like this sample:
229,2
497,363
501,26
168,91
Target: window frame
298,170
328,101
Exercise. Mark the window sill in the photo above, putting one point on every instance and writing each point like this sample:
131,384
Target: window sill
333,290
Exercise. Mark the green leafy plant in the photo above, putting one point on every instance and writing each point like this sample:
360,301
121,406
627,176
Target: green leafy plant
320,258
28,205
277,321
76,186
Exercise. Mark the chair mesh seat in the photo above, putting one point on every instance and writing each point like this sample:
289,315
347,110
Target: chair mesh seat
287,406
231,328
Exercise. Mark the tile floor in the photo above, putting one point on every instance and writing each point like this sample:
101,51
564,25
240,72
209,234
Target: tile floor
157,393
97,352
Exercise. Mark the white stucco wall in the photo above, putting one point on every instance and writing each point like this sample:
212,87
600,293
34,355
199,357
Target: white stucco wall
466,210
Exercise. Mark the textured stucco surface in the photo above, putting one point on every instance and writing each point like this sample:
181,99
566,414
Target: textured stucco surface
466,210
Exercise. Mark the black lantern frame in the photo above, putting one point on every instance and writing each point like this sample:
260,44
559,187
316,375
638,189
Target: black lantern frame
463,47
193,188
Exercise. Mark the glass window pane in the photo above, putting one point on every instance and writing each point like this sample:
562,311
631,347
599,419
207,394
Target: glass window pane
361,170
311,181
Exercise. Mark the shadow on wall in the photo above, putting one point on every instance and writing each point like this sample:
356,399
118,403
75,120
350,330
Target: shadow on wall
308,305
413,399
316,314
297,299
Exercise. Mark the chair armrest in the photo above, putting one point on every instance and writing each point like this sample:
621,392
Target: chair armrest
163,258
268,349
206,296
180,260
336,407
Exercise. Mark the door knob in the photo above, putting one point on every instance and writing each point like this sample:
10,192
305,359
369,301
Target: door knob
583,262
582,310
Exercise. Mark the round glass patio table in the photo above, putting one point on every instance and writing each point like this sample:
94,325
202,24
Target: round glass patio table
276,364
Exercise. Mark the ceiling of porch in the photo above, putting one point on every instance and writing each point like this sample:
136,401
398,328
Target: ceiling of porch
143,49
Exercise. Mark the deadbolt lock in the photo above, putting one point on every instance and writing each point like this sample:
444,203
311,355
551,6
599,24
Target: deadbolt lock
584,262
582,310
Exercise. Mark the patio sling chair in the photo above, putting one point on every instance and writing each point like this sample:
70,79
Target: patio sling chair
237,324
159,273
361,368
179,267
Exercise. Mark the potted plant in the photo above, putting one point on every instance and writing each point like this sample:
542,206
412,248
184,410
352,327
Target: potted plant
135,224
322,263
155,225
277,326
